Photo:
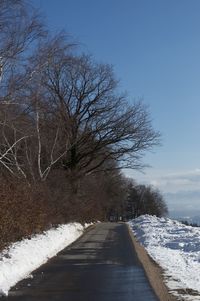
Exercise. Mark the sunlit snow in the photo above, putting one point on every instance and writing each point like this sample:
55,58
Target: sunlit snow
176,248
21,258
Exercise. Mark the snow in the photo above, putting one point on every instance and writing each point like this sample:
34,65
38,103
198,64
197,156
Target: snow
21,258
176,248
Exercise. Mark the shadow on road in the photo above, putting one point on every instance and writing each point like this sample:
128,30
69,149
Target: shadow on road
101,266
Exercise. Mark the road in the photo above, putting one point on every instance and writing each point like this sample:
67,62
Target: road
101,266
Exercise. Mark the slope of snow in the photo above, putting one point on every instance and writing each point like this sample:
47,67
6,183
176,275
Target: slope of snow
21,258
176,248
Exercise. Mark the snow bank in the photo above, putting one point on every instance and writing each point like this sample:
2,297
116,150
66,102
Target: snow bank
21,258
176,248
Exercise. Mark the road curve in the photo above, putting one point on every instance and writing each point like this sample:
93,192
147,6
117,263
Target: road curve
101,266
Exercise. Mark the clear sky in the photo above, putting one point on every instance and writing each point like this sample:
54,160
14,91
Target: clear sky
154,46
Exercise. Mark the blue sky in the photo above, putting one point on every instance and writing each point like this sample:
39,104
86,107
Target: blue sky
154,46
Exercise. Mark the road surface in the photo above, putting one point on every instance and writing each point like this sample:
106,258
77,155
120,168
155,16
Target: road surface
101,266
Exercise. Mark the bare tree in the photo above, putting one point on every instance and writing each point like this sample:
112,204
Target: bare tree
99,123
20,28
9,150
23,152
29,144
145,200
20,25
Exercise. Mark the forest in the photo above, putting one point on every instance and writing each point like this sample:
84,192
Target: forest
67,133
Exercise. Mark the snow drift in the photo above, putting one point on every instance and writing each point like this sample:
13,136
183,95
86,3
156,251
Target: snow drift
176,248
21,258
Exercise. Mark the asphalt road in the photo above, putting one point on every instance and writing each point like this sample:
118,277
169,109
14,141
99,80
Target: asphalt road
101,266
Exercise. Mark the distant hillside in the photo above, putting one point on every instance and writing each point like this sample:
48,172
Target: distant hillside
191,216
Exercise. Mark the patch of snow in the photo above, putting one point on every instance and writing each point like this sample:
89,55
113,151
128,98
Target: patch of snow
21,258
176,248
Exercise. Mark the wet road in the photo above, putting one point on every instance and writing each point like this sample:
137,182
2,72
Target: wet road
101,266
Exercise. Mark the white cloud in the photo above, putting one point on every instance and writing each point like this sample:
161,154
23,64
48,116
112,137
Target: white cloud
170,181
181,189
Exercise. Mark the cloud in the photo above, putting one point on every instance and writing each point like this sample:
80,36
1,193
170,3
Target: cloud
173,181
184,177
181,189
183,202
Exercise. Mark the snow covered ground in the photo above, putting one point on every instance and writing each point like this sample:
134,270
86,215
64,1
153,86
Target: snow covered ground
21,258
176,248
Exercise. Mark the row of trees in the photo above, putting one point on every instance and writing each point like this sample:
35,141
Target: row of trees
65,129
137,200
145,200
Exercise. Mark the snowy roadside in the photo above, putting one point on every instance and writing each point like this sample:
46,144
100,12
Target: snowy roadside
21,258
176,248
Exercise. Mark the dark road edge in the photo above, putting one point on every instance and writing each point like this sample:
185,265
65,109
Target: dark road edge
153,271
